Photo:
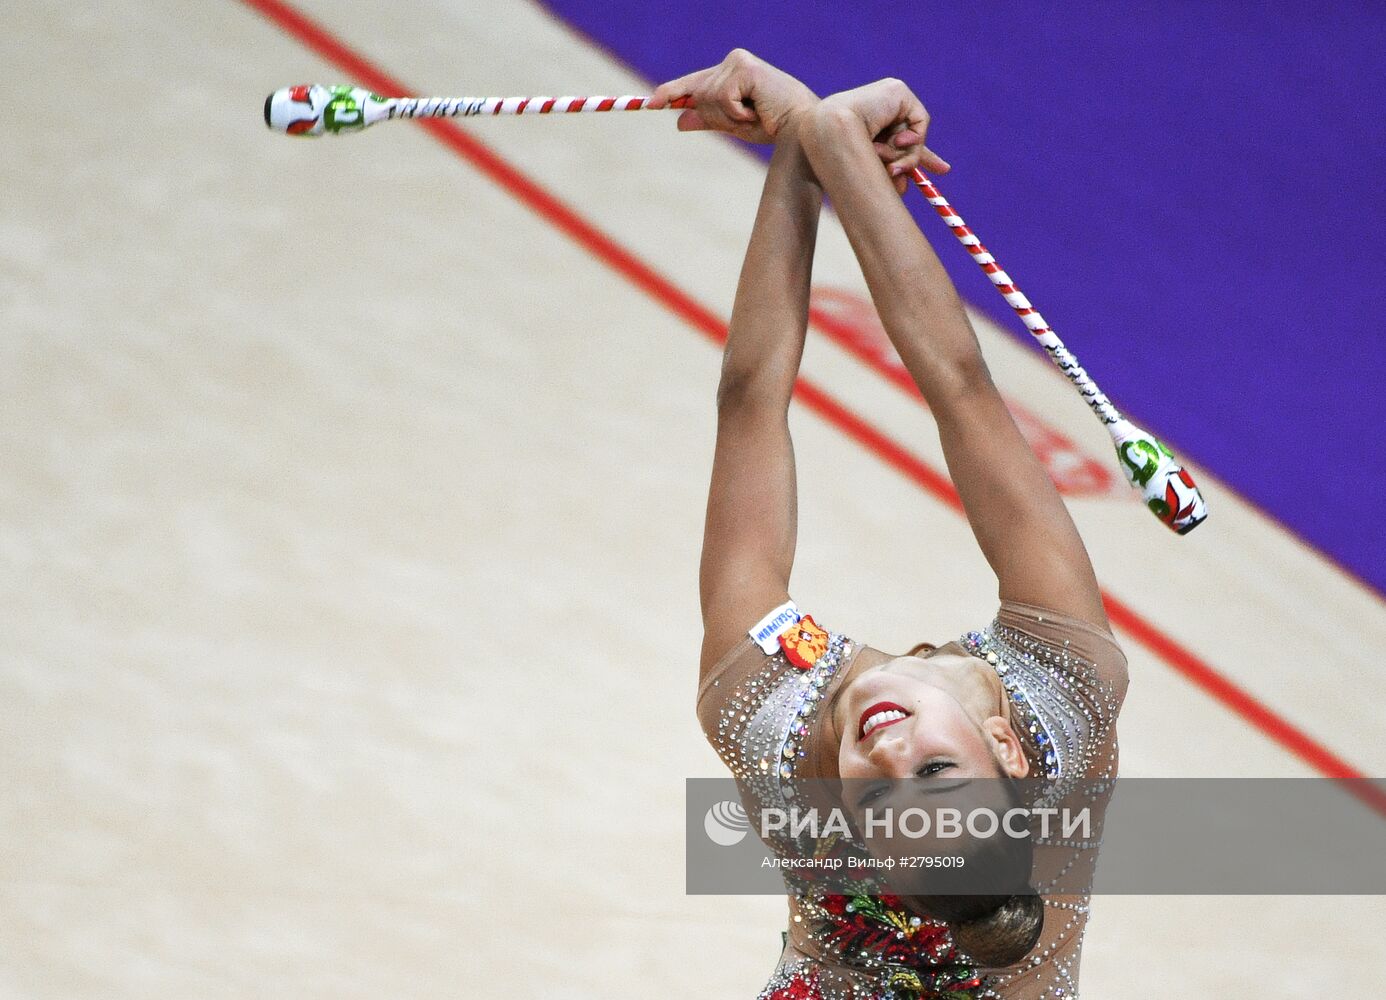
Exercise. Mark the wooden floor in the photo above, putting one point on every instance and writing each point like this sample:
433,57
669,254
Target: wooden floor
352,508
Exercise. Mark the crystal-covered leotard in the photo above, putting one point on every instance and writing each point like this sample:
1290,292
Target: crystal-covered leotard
768,716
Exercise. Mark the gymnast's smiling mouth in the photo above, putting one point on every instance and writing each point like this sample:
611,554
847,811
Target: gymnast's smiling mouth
878,717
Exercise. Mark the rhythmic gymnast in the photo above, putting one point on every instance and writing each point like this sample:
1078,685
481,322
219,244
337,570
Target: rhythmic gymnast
1032,696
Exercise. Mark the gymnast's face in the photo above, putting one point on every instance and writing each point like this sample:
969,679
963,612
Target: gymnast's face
926,722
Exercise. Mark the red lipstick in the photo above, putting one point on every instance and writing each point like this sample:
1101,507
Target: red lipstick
880,706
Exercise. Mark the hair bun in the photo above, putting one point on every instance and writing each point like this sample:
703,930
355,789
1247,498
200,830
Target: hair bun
1005,935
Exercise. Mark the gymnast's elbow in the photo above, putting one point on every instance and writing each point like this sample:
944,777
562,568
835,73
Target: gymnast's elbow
957,379
960,378
753,390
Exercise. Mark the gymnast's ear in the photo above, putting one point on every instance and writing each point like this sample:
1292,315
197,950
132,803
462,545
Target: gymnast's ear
1005,747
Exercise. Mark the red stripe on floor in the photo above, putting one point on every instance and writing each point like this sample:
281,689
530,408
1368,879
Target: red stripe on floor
679,302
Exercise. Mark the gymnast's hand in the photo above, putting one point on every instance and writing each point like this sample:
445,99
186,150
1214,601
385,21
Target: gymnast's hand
742,95
895,119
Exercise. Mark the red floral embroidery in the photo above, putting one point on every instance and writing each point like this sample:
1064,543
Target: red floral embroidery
798,988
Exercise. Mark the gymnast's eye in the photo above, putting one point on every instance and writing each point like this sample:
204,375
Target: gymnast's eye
934,767
872,794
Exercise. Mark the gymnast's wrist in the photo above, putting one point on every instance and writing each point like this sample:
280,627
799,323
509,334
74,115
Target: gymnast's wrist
791,123
834,117
829,127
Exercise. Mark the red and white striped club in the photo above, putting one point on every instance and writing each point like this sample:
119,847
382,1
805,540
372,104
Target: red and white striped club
311,109
1167,487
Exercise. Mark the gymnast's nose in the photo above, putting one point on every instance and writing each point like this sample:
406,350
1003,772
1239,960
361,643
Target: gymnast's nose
891,753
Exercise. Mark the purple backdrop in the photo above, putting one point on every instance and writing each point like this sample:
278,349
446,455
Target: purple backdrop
1192,194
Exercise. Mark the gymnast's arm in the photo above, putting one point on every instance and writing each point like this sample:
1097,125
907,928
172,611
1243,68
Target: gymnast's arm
1016,514
749,534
